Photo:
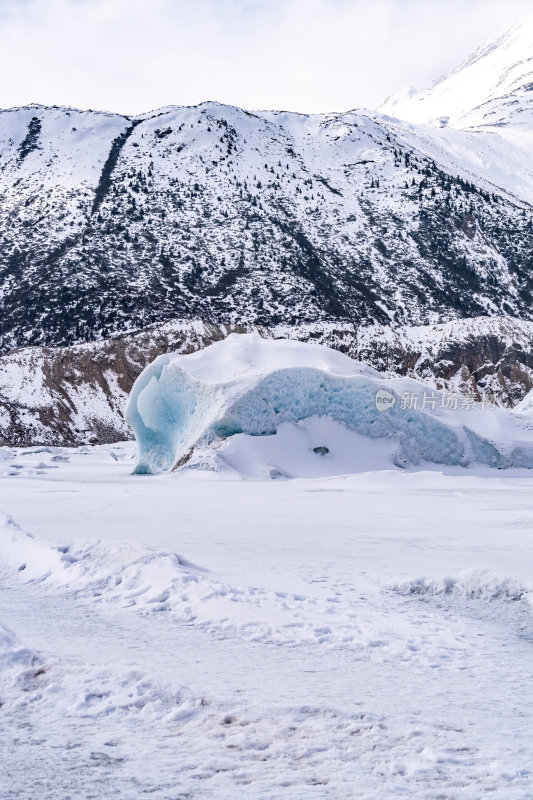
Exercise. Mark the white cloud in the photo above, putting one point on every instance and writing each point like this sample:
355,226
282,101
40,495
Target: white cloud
305,55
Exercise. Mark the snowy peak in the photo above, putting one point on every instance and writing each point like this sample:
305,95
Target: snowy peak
492,87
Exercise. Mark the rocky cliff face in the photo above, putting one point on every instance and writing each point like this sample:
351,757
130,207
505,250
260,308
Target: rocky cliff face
489,357
76,395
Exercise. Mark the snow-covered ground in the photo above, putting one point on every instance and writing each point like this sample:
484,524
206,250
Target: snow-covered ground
193,635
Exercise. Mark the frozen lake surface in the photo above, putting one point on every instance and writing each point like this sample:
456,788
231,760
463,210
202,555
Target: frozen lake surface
199,636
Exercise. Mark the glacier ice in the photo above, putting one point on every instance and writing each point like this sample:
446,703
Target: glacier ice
249,385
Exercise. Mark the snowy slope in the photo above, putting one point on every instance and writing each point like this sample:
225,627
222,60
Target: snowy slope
109,223
492,87
482,356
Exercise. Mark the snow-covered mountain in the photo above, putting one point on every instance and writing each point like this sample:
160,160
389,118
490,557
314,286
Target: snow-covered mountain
402,242
110,223
493,87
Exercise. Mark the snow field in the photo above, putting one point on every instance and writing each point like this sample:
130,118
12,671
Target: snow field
135,576
193,635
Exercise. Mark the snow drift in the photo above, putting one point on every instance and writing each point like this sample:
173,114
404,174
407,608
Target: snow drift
249,386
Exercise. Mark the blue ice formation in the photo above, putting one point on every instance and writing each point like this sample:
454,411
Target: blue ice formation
250,385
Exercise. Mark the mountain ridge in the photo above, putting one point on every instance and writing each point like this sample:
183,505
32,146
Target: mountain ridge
109,223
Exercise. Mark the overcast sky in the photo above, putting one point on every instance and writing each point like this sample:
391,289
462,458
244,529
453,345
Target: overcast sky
304,55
